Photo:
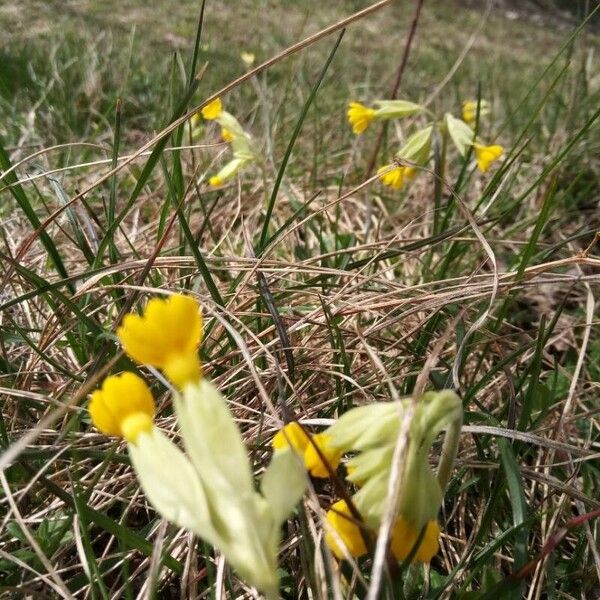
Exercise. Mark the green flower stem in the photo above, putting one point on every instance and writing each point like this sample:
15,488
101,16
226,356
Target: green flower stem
449,451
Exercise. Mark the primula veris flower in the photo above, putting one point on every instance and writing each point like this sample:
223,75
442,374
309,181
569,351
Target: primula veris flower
359,116
294,435
394,176
303,443
227,135
248,58
228,172
209,489
123,406
212,110
486,155
371,433
166,336
404,538
342,526
314,463
469,110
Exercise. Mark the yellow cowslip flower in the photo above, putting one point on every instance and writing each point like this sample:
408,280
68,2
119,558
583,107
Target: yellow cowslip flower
469,110
248,58
313,462
394,176
405,536
360,116
486,155
227,135
294,435
341,521
123,406
166,336
370,433
212,110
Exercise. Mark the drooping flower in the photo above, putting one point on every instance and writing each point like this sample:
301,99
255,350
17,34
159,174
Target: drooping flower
123,406
248,58
360,116
212,110
166,336
394,176
227,172
469,110
371,433
313,461
227,135
405,536
342,526
486,155
305,445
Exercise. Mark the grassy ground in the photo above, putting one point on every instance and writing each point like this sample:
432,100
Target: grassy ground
368,282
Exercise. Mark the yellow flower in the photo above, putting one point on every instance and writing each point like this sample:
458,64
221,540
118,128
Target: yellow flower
360,116
405,536
394,176
340,519
486,155
212,110
469,110
294,435
248,58
313,461
123,406
227,135
166,336
215,181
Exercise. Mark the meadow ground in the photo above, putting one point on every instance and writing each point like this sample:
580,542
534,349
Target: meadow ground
344,291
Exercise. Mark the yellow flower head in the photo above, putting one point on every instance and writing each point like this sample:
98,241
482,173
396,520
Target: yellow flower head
469,110
312,460
123,406
339,518
405,536
294,435
360,116
248,58
166,336
394,176
227,135
215,181
212,110
486,155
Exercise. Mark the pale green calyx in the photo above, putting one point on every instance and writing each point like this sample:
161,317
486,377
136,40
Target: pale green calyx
372,431
209,489
418,147
396,109
460,133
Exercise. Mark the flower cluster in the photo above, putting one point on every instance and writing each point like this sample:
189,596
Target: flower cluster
244,152
369,433
209,488
416,152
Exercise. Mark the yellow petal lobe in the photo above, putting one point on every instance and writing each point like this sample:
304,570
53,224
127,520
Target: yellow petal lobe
215,181
314,463
227,135
293,435
405,536
212,110
166,335
123,406
359,116
392,176
340,519
486,155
